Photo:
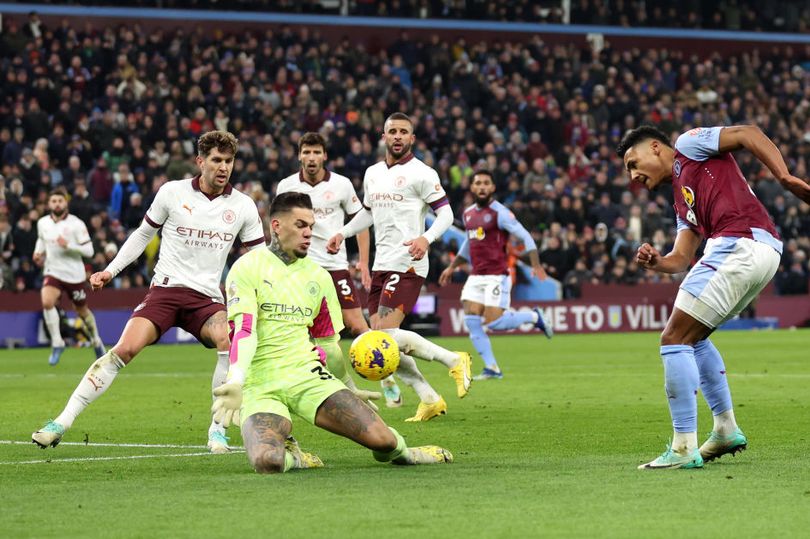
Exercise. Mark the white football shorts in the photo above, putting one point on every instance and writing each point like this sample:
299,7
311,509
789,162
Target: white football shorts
488,290
731,273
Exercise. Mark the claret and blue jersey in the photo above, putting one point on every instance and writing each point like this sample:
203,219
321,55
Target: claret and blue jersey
488,229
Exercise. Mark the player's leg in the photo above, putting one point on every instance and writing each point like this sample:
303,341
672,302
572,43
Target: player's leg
138,333
79,298
50,295
344,414
391,391
209,323
431,404
497,295
473,299
354,320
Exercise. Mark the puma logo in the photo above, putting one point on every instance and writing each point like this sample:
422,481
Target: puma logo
95,385
188,208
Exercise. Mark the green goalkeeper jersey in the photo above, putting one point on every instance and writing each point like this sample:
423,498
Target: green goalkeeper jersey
288,303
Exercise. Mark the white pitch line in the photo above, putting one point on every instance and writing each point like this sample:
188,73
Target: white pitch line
93,459
95,444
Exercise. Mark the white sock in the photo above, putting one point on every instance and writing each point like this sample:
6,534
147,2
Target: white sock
90,322
409,373
95,382
725,423
418,346
684,441
51,317
219,377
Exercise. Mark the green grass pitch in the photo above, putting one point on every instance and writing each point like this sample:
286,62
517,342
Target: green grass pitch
549,451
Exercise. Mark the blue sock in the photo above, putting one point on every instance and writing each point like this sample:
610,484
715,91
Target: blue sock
512,320
713,380
682,379
480,340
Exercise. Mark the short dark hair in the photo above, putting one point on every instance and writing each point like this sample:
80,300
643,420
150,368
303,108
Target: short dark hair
223,141
311,139
399,116
484,172
285,202
59,191
640,134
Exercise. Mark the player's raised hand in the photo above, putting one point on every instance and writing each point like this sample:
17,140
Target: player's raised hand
227,403
417,247
333,246
99,279
647,256
365,275
446,275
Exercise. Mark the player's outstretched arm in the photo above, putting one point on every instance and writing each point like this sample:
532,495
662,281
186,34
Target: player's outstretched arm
130,251
754,140
462,257
507,221
686,245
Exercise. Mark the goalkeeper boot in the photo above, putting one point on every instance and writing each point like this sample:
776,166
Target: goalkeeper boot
218,443
542,325
425,454
426,412
718,445
462,374
56,354
302,458
49,435
489,374
391,392
671,460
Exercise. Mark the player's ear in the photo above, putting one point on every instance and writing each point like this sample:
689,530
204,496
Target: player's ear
199,159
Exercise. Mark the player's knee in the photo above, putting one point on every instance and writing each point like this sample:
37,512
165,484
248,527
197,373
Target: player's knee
381,439
674,335
125,351
48,304
268,462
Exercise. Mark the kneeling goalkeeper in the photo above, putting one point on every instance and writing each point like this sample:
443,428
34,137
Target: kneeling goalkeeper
277,299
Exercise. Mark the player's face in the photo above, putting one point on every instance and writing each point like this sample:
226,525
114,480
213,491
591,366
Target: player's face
294,231
645,164
216,168
57,205
398,137
482,189
312,159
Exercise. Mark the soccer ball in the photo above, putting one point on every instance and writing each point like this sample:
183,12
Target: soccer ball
374,355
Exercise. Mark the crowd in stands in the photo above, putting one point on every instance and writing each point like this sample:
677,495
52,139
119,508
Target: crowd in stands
113,113
746,15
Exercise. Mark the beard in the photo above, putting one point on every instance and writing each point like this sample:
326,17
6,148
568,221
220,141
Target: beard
59,213
301,253
482,200
406,147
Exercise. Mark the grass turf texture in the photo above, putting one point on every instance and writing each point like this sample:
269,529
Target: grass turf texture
549,451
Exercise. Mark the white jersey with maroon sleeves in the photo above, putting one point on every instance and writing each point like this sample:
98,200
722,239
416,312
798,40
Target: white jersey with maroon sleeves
399,197
333,198
64,263
198,232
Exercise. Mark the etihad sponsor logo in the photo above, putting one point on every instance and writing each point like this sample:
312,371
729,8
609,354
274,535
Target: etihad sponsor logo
322,213
386,197
188,232
285,310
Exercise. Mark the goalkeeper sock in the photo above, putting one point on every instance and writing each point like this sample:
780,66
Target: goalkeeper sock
409,373
416,345
51,317
681,384
94,383
90,324
714,386
481,340
220,377
399,453
512,320
289,461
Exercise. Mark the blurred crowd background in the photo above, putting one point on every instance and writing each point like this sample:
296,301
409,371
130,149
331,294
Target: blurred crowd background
113,113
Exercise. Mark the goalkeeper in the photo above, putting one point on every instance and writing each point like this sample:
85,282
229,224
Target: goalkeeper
277,299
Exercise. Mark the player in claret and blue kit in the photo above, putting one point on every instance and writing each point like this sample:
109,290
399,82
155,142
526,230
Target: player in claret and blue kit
487,293
714,202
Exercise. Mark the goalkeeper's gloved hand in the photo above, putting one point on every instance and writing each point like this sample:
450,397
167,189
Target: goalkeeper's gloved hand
227,403
367,397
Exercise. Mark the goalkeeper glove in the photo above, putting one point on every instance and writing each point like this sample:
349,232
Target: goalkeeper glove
227,403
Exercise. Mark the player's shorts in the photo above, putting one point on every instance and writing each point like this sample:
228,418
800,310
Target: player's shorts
731,273
177,306
346,291
395,290
297,387
488,290
77,292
